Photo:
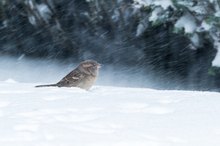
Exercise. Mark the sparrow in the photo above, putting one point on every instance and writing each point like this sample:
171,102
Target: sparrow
83,76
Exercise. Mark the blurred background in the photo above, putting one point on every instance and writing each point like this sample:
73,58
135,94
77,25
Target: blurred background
162,44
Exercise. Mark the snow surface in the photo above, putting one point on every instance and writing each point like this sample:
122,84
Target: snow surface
106,116
103,116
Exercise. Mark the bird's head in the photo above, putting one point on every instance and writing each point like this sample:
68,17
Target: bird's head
90,67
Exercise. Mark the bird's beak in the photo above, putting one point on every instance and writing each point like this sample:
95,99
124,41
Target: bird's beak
99,65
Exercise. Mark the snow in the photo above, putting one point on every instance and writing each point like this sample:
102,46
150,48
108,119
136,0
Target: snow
217,14
142,26
195,39
216,61
200,10
32,20
163,3
156,12
105,115
44,12
187,22
102,116
206,26
30,3
140,29
143,2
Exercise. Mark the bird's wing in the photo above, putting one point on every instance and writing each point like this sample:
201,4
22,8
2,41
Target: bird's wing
71,79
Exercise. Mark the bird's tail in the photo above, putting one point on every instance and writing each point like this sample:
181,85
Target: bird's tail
49,85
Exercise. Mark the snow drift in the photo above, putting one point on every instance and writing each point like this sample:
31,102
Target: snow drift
102,116
110,116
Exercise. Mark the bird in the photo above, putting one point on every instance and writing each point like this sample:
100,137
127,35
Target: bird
83,76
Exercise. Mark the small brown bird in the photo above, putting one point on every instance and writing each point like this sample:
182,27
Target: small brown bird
83,76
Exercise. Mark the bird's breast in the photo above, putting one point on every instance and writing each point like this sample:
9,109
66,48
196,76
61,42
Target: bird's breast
87,82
